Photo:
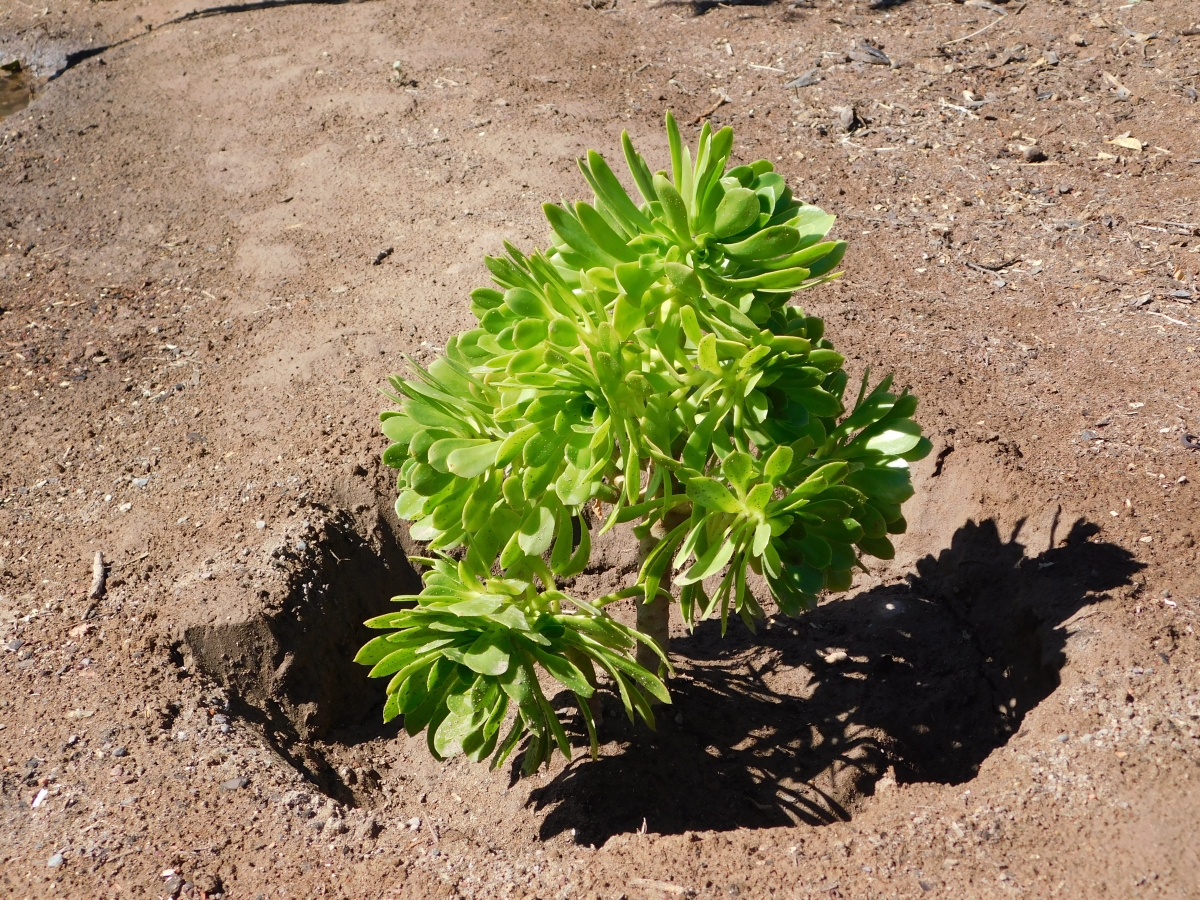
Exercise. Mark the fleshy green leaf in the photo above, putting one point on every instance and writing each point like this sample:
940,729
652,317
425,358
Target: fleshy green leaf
710,493
488,655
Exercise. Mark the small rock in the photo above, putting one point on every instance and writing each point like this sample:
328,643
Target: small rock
295,798
835,657
173,886
1089,435
847,118
260,524
235,784
1033,154
808,79
14,645
1064,188
334,826
1078,40
867,53
1062,738
368,830
55,861
220,719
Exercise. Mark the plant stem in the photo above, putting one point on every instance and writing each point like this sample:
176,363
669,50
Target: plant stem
654,618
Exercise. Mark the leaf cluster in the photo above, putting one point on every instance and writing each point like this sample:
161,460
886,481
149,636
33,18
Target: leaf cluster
648,360
470,649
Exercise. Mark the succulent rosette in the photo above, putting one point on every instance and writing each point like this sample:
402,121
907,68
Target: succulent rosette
649,363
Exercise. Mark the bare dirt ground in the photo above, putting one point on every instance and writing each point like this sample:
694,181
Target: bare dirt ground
194,332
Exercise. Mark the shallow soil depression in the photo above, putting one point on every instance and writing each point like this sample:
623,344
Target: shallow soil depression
222,227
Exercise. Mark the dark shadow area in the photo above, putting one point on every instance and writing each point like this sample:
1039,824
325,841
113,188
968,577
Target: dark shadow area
700,7
81,56
798,723
291,670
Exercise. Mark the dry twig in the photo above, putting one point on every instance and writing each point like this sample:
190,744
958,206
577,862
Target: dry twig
96,591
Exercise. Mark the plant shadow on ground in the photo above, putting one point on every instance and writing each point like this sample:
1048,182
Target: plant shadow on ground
781,727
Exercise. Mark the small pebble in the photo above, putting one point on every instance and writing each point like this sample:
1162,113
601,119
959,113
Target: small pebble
1062,738
335,826
120,751
55,861
234,784
260,524
220,719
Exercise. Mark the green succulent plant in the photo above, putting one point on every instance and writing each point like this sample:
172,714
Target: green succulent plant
647,365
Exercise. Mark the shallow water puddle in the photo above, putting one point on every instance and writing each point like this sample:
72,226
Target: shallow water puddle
15,89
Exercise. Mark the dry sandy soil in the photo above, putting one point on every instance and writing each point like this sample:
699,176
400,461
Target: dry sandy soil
193,333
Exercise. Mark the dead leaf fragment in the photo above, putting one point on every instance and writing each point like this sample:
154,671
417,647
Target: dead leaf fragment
1127,142
1122,92
665,887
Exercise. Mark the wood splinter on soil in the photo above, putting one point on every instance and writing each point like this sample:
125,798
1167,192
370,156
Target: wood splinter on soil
96,591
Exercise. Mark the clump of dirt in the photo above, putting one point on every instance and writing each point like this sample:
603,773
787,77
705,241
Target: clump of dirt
290,666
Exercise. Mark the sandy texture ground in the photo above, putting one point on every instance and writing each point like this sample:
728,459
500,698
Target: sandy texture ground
221,228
